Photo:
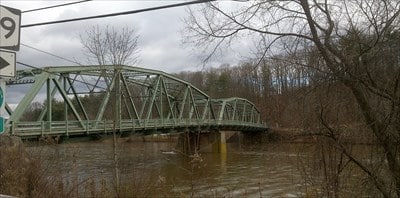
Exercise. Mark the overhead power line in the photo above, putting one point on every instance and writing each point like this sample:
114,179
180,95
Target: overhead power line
27,65
55,6
118,13
48,53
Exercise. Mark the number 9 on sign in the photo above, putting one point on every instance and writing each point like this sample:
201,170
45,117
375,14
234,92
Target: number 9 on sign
8,24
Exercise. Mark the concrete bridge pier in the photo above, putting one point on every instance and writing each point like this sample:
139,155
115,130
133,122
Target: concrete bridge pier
219,143
191,142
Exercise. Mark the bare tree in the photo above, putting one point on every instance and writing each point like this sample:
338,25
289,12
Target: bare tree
352,42
108,46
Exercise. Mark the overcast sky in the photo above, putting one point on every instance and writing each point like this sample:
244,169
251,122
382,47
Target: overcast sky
160,32
160,43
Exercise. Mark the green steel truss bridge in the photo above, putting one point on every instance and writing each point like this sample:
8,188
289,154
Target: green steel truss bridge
103,99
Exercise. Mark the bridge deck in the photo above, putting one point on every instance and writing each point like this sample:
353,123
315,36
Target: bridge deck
73,128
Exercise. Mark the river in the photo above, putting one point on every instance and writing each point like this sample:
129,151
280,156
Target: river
151,169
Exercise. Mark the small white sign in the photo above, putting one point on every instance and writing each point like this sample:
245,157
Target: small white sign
10,24
7,63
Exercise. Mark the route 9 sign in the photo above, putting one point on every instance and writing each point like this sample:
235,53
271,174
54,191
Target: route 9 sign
10,22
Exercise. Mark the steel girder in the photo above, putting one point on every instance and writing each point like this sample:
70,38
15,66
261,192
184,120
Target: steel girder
130,93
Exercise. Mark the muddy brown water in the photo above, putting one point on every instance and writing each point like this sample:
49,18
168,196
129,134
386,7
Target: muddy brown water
269,170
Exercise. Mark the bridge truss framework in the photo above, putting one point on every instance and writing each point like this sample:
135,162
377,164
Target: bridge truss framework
125,99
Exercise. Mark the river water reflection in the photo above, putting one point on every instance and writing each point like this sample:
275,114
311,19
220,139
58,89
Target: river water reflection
269,170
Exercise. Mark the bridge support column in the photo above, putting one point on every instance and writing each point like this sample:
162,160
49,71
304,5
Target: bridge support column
219,143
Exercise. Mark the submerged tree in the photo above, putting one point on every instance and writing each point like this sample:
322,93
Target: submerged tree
355,43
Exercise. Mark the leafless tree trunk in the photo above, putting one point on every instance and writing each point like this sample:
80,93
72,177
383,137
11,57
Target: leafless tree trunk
108,46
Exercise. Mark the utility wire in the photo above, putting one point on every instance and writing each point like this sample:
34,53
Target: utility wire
55,6
48,53
27,65
118,13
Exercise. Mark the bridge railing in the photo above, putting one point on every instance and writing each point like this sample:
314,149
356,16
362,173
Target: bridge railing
67,128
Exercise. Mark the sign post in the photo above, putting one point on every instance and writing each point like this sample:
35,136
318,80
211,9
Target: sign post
10,28
2,105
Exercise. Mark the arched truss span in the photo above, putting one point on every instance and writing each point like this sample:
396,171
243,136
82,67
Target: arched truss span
103,98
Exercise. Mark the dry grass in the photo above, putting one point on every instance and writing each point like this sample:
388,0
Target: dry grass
26,174
21,175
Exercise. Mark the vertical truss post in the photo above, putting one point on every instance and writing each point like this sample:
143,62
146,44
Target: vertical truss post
161,113
252,114
49,103
65,104
65,76
244,111
118,97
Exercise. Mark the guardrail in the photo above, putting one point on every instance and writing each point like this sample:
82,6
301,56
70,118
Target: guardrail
73,128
